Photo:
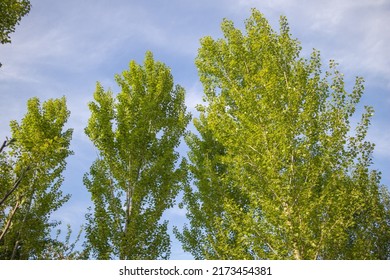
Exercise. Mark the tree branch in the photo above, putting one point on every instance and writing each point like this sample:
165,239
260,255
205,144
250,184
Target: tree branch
7,226
16,185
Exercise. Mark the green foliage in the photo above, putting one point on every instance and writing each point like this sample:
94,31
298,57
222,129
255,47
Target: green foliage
63,250
278,173
136,176
37,159
11,12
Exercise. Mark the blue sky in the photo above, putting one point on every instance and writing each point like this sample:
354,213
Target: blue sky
64,47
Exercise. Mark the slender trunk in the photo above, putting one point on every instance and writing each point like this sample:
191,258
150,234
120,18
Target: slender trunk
297,253
15,250
290,228
22,225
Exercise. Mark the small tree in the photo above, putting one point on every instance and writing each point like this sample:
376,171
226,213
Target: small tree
277,171
136,177
31,177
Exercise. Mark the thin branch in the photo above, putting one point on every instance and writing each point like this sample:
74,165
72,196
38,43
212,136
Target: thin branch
6,143
264,237
16,185
15,249
3,145
8,225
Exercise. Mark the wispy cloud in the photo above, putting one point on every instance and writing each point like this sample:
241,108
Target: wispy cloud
353,32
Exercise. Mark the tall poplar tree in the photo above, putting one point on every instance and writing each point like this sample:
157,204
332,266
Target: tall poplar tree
136,176
278,172
31,179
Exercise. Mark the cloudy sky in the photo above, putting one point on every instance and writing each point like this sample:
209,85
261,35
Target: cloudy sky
64,47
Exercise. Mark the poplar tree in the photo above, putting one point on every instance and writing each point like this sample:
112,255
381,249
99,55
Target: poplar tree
137,174
31,164
278,171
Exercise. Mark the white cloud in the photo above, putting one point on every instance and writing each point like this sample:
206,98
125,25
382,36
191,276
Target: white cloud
194,96
355,33
380,135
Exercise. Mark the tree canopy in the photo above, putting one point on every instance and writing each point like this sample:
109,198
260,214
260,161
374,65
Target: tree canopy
278,172
137,174
11,12
31,179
